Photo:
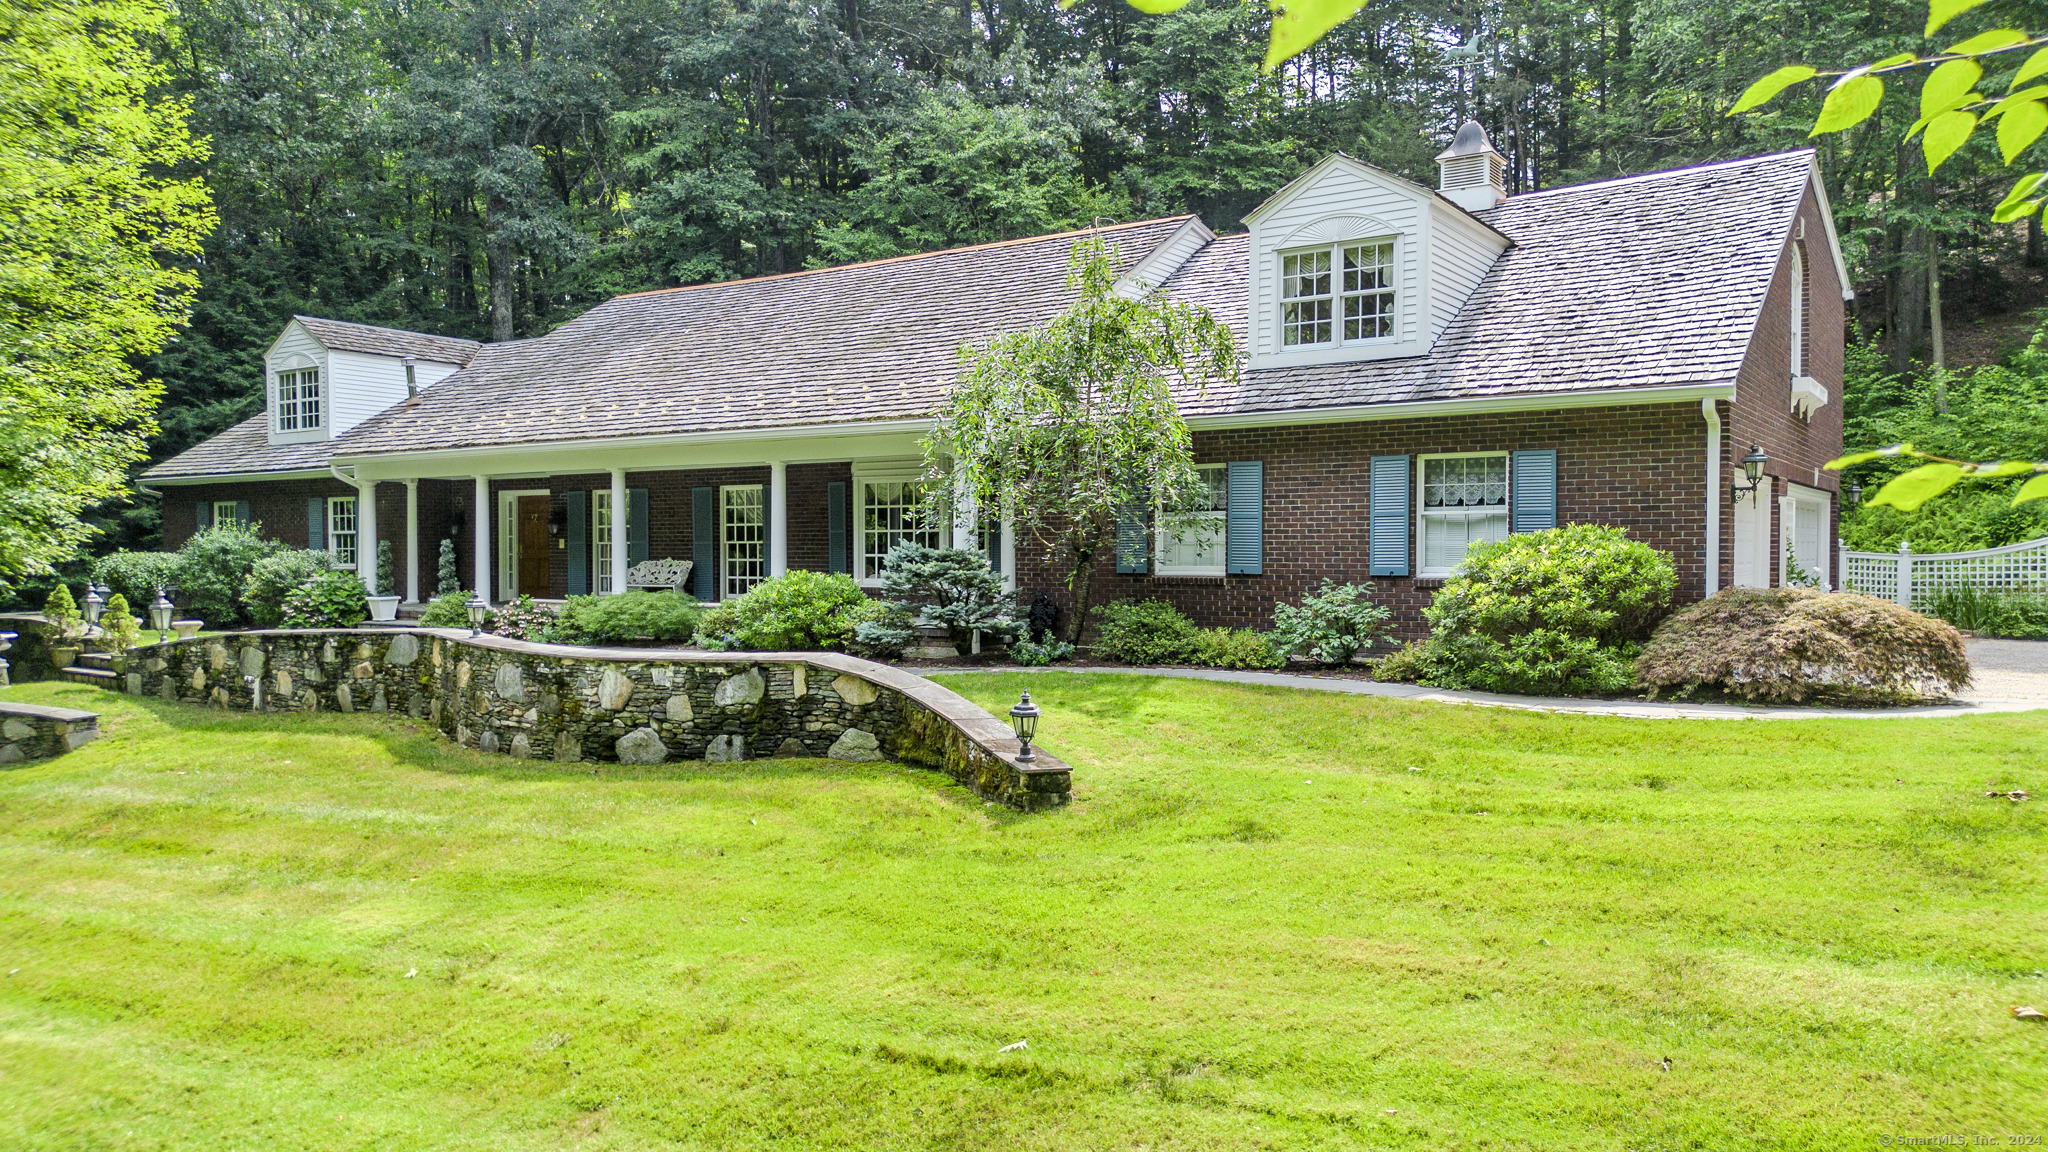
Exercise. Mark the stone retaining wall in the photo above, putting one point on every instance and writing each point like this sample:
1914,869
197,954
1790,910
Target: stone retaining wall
33,732
633,706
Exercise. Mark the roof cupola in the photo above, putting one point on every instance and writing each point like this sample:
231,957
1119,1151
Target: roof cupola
1470,173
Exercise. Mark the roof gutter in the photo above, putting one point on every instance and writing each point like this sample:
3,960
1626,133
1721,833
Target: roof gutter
1519,402
797,432
242,477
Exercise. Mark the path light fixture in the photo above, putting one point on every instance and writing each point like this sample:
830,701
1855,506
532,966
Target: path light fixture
160,616
1752,467
1024,720
477,607
95,603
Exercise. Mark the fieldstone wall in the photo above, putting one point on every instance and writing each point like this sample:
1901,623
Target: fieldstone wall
631,706
33,732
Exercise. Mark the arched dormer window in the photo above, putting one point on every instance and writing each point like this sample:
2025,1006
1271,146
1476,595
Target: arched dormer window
1337,284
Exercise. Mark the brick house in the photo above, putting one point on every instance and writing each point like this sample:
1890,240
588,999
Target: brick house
1425,368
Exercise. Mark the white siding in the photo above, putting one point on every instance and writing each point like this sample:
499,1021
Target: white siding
295,348
1462,250
364,385
1330,203
1152,271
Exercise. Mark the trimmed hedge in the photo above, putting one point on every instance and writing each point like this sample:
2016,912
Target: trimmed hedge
1800,645
670,617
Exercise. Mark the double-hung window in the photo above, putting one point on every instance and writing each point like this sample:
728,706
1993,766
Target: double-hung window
1340,294
298,400
601,540
892,512
341,530
225,512
742,540
1463,501
1196,549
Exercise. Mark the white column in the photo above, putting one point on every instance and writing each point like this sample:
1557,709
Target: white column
964,512
778,518
1009,556
366,535
480,531
1788,524
412,541
620,511
1712,412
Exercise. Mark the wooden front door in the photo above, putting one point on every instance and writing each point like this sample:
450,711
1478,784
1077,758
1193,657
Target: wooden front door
533,546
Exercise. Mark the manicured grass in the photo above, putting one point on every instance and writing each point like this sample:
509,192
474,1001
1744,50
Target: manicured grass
1272,920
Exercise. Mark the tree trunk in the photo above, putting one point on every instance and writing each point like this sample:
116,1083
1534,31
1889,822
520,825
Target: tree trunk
1934,323
2035,257
1085,545
1908,298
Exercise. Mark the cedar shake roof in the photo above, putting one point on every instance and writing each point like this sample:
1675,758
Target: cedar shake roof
342,336
243,450
1641,282
859,342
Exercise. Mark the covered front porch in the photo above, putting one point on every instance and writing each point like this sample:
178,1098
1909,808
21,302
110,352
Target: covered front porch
554,521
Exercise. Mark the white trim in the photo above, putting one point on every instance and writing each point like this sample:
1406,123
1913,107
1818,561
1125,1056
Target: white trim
412,541
1520,402
1797,281
1165,259
1507,509
1712,411
891,472
916,426
1823,502
725,575
1827,223
508,540
214,507
355,532
241,477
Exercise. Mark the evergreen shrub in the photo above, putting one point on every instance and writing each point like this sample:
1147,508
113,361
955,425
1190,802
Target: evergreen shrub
214,567
794,612
60,609
670,617
952,587
273,578
137,575
333,599
1146,632
1800,645
451,610
119,629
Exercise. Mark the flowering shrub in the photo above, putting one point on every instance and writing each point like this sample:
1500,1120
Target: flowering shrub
329,600
1033,654
525,620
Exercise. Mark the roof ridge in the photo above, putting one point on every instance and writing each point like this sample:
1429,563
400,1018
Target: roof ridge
383,328
1181,218
1660,174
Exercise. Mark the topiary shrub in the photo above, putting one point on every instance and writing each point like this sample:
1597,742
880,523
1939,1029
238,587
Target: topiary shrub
447,577
1145,632
119,630
1559,612
632,617
1801,645
60,609
1331,625
451,610
214,567
523,619
328,600
795,612
137,575
274,577
387,578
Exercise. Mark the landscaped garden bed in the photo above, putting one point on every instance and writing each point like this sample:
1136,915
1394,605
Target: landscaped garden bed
1271,919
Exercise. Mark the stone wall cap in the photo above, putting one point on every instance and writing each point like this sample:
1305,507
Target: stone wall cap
62,715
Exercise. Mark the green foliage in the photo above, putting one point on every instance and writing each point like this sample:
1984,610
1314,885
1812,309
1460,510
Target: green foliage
387,581
1033,654
451,610
137,575
273,578
2021,614
1560,612
881,630
214,567
1331,625
525,620
94,260
1237,648
448,578
333,599
62,611
1146,632
632,617
954,587
119,629
1059,428
1802,645
797,611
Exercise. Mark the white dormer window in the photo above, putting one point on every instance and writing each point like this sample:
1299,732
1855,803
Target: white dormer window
1312,298
298,400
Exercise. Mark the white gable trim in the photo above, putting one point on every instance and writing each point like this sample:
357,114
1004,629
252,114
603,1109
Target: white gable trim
1159,265
1827,220
1332,229
285,331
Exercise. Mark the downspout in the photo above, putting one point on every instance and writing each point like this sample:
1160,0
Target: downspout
1710,409
146,490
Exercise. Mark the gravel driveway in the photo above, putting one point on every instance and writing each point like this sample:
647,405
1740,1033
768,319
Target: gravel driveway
2008,670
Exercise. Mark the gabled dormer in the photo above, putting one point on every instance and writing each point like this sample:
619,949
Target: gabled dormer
1351,263
324,377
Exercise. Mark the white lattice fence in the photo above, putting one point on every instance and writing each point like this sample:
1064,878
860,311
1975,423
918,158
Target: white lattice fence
1912,579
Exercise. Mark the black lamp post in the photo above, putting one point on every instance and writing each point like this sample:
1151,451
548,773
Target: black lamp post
95,603
1753,467
1024,720
160,616
477,606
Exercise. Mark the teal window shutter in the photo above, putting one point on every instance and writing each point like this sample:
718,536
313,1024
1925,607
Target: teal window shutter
1244,519
704,541
1133,551
840,558
203,518
1532,483
636,526
1387,532
242,513
578,542
994,534
316,523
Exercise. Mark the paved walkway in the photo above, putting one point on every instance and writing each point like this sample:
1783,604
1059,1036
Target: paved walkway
2012,677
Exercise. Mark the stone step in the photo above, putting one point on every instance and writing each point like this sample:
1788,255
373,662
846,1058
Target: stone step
94,660
78,674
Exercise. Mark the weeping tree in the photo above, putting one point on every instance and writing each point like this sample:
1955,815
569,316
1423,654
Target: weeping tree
1070,429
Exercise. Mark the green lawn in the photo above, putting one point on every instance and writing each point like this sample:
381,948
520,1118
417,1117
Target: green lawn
1271,920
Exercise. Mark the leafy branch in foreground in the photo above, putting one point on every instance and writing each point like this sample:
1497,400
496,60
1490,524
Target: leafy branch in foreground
1297,24
1909,490
1952,105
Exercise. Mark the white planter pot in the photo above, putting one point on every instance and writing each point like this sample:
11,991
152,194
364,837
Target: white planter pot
383,609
